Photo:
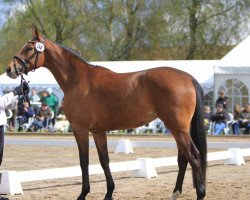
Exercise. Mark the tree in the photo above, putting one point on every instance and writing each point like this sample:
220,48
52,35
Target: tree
118,26
195,29
57,20
215,13
130,29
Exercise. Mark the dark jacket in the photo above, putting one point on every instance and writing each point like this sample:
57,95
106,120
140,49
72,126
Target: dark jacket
223,101
26,114
220,117
207,116
45,113
52,101
237,116
245,116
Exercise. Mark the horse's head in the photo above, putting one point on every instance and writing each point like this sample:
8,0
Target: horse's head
30,57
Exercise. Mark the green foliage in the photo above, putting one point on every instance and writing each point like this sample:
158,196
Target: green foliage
129,29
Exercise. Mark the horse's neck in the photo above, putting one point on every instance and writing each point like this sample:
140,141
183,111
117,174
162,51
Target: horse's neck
64,65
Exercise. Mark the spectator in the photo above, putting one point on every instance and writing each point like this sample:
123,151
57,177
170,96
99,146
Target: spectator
34,100
52,102
12,121
44,113
246,119
222,100
24,113
44,95
220,119
207,117
237,119
5,101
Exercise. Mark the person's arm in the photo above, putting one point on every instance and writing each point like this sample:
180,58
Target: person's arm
38,99
30,112
49,113
222,117
214,117
217,117
6,99
54,102
226,116
38,114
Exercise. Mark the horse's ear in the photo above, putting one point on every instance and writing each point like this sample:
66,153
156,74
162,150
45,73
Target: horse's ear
35,32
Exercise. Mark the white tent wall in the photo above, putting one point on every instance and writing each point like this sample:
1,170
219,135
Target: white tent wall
221,79
234,66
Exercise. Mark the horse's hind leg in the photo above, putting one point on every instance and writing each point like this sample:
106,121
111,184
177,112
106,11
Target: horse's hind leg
186,145
182,164
198,176
102,149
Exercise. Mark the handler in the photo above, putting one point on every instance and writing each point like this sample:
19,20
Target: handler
6,100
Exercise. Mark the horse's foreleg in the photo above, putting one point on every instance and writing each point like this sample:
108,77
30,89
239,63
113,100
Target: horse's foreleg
82,139
102,149
182,164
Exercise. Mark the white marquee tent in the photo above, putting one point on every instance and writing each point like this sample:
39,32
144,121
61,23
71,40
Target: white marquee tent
232,74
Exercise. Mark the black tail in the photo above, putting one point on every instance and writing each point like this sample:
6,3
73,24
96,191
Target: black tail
198,133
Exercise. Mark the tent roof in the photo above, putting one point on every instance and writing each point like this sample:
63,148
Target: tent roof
238,56
202,70
232,70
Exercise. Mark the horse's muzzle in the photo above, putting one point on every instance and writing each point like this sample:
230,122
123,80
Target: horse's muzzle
10,73
8,70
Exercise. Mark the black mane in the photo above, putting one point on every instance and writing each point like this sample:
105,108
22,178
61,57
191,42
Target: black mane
75,52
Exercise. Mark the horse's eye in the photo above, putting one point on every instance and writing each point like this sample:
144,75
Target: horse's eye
29,48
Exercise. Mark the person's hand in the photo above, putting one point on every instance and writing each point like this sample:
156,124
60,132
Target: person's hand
26,88
18,90
41,118
25,109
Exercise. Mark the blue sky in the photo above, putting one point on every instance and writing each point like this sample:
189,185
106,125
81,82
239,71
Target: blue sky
3,8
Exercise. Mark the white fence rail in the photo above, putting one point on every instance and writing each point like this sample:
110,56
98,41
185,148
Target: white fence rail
113,143
142,167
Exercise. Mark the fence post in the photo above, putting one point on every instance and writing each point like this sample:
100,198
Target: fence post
147,168
10,183
236,157
124,146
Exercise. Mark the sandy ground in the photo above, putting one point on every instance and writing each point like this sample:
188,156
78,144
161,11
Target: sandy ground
223,182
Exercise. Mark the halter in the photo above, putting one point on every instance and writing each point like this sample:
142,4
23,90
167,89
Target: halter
25,62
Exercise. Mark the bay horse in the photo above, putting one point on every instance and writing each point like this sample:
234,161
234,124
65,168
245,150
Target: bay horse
97,100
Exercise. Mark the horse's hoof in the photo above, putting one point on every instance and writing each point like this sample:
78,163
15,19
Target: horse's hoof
80,198
175,195
201,193
108,198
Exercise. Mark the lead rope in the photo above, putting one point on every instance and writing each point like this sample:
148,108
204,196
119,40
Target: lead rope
26,93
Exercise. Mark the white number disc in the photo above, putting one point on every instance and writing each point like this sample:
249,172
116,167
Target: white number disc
40,47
